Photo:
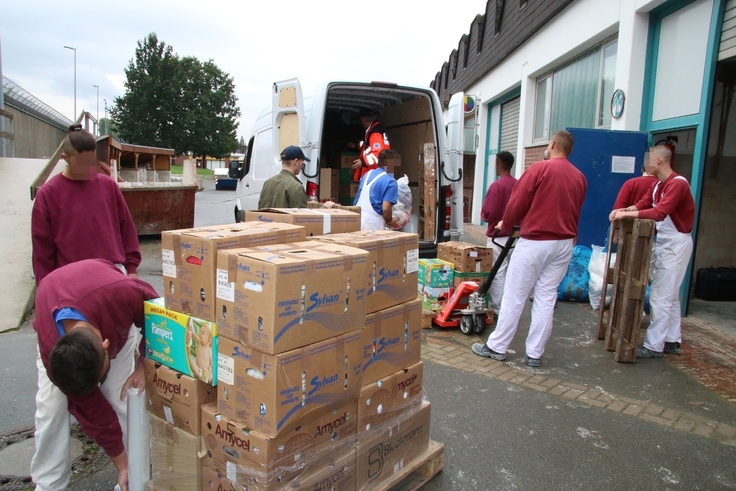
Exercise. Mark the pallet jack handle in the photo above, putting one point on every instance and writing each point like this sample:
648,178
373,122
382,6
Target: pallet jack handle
505,250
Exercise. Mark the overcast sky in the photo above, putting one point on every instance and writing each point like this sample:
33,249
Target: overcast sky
403,41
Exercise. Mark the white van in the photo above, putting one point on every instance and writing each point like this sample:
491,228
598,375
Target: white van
327,128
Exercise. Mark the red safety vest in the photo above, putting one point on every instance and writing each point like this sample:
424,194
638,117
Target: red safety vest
375,142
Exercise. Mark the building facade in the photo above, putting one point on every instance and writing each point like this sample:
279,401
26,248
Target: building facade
665,68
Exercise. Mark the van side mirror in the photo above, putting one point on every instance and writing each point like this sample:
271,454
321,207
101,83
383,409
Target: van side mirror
234,169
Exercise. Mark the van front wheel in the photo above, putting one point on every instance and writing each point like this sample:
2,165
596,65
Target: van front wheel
239,215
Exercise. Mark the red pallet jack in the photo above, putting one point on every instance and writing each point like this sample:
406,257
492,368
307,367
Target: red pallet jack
468,306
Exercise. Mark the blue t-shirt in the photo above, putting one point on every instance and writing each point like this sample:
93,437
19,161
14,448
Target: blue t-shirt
385,189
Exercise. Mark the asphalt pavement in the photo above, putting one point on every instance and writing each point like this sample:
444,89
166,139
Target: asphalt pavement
580,421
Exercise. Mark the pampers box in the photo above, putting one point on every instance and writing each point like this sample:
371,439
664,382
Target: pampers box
181,341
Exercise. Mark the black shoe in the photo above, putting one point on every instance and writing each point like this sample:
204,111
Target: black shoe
672,348
481,349
533,362
642,352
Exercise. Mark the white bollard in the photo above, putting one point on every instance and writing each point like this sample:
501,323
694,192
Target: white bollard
139,436
188,172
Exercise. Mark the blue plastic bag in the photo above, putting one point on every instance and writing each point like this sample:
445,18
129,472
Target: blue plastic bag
574,285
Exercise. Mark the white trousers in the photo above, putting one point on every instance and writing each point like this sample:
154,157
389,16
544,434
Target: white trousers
500,278
670,263
51,464
538,265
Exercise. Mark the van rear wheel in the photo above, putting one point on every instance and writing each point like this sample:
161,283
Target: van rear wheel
239,215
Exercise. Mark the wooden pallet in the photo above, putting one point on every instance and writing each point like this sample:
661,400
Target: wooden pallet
629,280
419,471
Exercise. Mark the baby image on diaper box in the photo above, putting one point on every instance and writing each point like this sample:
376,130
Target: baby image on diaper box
180,341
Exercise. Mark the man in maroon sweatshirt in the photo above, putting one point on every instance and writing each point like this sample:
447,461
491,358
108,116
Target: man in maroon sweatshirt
546,202
85,313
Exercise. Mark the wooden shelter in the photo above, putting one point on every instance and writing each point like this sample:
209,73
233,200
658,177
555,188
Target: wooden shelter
133,157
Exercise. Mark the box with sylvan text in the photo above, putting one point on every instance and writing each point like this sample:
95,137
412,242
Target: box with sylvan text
392,270
316,221
392,340
271,394
181,341
281,297
189,258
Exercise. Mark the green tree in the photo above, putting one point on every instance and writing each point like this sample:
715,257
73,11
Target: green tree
106,127
178,103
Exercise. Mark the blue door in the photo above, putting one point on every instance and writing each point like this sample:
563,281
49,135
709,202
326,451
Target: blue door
607,159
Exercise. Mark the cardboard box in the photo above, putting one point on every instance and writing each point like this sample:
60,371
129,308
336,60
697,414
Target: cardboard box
181,341
346,175
349,189
390,397
347,159
190,255
259,462
318,205
174,460
392,340
318,221
434,298
435,273
175,397
467,258
285,296
335,475
272,394
458,277
385,453
329,182
392,273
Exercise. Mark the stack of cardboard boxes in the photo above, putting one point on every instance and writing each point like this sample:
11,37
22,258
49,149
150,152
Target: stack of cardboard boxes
315,350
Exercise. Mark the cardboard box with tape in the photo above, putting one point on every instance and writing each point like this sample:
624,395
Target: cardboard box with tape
189,259
282,297
317,221
390,397
392,340
466,258
181,341
387,449
392,272
255,461
273,393
174,460
175,397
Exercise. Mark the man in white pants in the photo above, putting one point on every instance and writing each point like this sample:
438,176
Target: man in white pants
546,202
85,313
494,205
671,205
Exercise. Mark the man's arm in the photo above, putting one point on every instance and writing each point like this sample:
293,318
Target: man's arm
44,248
128,234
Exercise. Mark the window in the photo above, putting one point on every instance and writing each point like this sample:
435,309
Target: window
541,110
608,77
577,94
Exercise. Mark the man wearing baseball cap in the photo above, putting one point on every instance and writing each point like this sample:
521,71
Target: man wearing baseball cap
285,190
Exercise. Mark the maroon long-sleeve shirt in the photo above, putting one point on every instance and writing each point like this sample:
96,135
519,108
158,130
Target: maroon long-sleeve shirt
111,302
494,204
633,190
671,197
546,201
82,219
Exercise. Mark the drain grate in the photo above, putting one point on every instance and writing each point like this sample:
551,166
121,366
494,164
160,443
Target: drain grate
91,458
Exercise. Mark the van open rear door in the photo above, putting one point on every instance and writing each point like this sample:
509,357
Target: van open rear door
287,112
451,167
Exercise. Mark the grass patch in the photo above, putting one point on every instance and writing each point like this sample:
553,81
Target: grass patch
177,169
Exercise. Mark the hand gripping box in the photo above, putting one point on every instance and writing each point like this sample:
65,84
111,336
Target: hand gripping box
190,255
467,258
392,340
392,265
391,446
174,460
180,341
175,397
282,297
273,393
390,397
257,462
319,221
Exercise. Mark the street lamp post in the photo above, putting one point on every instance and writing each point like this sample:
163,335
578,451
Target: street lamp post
98,108
75,80
107,131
